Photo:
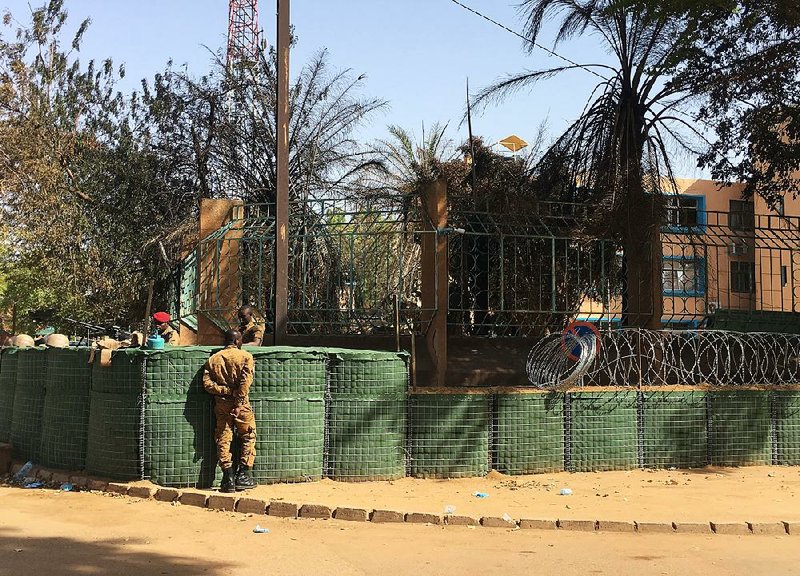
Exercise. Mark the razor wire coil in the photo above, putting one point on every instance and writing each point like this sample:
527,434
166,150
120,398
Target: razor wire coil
630,357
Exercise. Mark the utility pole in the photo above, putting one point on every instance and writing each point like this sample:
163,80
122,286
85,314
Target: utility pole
282,168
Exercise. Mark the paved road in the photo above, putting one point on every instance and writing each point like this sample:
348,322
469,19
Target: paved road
46,532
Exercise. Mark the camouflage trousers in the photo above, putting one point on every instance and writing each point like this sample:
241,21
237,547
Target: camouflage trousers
245,425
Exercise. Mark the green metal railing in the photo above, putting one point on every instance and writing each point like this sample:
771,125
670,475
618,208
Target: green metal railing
355,267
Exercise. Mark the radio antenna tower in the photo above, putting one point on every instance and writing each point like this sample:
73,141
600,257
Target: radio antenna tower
243,34
242,65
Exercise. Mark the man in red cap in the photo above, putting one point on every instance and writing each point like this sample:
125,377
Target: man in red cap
169,335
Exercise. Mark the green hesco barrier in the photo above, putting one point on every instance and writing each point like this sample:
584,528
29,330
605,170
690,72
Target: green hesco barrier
603,431
450,435
149,417
178,426
290,437
179,449
115,426
529,433
289,370
367,415
740,431
26,418
674,429
288,403
786,407
8,382
113,443
65,416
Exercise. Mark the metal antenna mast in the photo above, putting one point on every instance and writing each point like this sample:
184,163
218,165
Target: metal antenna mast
242,69
243,34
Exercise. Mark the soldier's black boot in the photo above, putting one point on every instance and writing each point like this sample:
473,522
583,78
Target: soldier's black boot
243,479
228,484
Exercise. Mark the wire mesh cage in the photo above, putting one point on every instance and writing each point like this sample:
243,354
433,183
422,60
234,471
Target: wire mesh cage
366,415
450,435
65,415
178,447
288,402
603,431
116,401
740,427
26,418
8,382
674,429
786,413
529,433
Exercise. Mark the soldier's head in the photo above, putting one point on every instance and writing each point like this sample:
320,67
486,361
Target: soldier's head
245,314
233,338
161,319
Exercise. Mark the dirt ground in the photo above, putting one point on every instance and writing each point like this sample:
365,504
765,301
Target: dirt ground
750,494
47,532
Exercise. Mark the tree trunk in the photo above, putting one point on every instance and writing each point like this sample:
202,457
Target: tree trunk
642,294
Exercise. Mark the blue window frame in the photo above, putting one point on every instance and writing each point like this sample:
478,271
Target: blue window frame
683,275
686,214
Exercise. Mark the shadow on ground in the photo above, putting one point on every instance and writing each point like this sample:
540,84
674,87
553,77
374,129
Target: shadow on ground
112,557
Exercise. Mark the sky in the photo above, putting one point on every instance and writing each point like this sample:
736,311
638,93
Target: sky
416,54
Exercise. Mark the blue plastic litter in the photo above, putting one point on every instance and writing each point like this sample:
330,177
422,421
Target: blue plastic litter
259,530
33,485
67,486
23,472
566,492
480,494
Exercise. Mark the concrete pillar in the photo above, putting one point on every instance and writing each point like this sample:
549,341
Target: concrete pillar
435,277
218,292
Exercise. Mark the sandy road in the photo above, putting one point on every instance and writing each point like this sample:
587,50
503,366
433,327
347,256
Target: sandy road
46,532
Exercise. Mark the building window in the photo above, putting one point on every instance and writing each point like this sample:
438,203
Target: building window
683,276
743,275
784,276
685,213
741,215
780,206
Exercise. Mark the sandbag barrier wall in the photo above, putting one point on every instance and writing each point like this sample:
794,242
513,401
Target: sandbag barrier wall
348,415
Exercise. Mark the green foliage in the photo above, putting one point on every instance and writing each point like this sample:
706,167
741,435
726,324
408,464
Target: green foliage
741,63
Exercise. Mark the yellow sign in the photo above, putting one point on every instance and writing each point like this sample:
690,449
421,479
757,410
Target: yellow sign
513,143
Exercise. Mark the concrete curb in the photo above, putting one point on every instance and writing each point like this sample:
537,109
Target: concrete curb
213,500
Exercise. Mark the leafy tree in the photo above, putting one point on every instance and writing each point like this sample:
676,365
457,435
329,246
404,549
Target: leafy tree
88,200
742,62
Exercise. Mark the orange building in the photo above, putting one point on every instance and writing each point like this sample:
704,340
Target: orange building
721,252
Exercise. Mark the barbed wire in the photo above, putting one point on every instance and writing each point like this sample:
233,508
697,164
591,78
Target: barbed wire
630,357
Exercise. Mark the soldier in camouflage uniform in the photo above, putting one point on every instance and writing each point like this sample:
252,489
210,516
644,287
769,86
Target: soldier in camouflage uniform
228,375
252,333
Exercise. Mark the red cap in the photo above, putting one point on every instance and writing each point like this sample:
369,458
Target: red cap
161,317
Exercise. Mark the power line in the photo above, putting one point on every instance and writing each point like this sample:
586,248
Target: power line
533,42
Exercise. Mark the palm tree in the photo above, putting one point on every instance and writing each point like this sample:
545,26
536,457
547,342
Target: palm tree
403,167
618,147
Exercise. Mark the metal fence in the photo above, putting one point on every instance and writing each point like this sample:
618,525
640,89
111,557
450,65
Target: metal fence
356,267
